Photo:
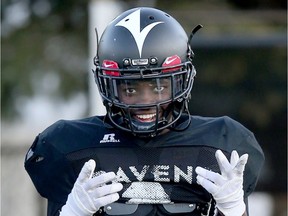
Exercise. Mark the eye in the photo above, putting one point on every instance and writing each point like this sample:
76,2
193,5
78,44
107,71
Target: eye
159,89
130,91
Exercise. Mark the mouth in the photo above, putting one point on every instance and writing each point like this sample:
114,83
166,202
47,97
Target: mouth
145,117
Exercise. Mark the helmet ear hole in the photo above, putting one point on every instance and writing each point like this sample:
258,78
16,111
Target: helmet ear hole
96,61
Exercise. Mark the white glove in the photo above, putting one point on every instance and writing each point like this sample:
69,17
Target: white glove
227,188
89,194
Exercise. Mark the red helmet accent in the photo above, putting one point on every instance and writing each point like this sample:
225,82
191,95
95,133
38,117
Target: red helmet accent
110,64
171,61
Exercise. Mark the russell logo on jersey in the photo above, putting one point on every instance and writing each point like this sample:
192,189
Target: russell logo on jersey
109,138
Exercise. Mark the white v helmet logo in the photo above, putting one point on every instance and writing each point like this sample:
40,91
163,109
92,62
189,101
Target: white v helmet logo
132,23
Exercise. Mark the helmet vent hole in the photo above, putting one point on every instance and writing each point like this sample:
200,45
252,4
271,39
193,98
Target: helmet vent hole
167,15
126,20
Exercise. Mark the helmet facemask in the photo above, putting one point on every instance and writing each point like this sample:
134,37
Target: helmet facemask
166,91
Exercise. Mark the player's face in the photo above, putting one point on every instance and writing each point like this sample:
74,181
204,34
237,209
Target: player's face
150,91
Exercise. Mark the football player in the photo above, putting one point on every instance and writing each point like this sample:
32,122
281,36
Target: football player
147,156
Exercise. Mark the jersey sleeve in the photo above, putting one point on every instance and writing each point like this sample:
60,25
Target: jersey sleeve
254,165
49,170
243,141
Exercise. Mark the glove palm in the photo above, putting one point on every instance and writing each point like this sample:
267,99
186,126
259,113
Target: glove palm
89,194
227,188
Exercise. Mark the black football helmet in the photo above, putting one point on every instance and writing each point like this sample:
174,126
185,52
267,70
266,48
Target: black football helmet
149,47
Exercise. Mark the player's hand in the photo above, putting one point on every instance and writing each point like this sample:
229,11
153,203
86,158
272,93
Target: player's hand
89,194
227,188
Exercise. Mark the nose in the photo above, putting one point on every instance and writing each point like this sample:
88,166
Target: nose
146,97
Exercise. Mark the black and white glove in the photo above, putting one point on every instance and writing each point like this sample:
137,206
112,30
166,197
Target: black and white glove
89,194
227,188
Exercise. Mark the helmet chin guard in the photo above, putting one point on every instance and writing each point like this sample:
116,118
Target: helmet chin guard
148,129
144,50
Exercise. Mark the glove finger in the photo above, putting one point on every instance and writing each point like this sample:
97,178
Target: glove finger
224,165
210,175
106,190
102,201
234,158
99,180
240,166
86,171
208,185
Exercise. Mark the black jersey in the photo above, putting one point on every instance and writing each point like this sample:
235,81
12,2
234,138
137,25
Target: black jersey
155,172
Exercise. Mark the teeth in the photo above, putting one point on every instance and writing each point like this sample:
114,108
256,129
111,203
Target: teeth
147,116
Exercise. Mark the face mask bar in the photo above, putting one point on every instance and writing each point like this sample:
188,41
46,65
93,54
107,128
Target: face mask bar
181,85
143,92
108,84
128,124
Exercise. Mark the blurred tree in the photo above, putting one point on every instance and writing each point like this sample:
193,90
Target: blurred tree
52,41
52,38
